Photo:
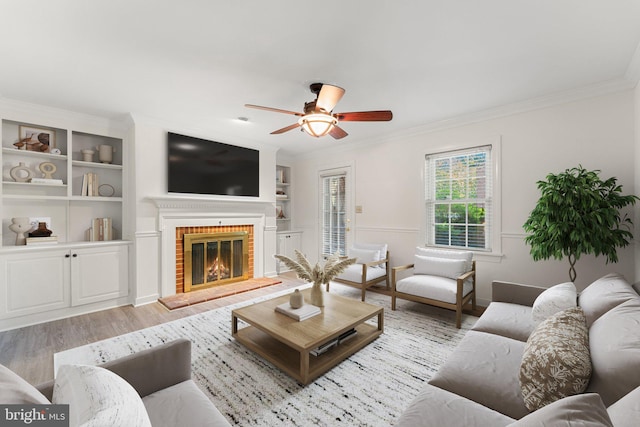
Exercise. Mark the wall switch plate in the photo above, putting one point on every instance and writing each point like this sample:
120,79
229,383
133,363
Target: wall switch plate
359,209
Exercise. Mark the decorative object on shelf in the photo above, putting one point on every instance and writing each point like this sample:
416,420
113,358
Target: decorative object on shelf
87,155
22,144
37,139
578,213
317,275
18,173
47,169
41,231
280,213
105,153
296,300
20,226
55,151
106,190
90,185
101,229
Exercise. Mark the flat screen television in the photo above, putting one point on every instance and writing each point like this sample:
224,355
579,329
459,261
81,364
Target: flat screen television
200,166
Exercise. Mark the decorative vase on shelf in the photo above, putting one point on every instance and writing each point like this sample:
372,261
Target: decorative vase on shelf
41,231
296,300
20,226
317,275
105,153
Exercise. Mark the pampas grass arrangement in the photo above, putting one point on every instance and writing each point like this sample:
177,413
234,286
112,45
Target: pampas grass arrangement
316,274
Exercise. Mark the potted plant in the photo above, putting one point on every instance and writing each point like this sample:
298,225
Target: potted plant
578,213
317,275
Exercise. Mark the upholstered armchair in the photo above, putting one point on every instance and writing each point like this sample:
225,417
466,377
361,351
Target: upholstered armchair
441,278
371,267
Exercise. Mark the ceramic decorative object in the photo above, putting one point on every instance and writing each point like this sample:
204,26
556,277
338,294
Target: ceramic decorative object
87,155
48,169
20,226
296,300
105,153
317,275
41,231
21,173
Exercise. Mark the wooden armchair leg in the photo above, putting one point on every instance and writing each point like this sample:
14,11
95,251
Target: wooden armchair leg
364,290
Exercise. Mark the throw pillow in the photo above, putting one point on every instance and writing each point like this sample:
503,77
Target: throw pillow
449,254
451,268
584,410
556,298
14,390
98,397
364,256
556,362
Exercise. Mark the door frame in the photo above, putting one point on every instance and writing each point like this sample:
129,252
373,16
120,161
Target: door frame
348,170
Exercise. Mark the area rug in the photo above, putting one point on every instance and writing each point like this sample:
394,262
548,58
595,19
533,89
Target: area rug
370,388
186,299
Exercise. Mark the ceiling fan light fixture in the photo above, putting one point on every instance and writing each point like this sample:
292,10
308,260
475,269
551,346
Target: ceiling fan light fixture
317,124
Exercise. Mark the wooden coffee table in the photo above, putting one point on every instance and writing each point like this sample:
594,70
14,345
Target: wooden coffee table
287,343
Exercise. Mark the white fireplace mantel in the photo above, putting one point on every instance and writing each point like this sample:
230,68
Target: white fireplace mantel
179,211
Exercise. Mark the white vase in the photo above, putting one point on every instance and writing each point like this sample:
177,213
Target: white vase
317,296
296,300
20,226
105,153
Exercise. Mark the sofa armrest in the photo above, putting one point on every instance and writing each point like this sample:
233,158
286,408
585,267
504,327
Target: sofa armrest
515,293
149,370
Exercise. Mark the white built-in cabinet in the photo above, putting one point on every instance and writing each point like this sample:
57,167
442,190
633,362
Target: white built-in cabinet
283,197
287,243
60,278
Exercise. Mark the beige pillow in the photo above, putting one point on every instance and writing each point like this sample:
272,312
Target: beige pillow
556,298
585,410
556,362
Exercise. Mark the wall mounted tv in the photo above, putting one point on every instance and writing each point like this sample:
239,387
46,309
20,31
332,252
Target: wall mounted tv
207,167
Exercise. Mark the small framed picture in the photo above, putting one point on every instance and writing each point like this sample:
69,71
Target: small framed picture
37,139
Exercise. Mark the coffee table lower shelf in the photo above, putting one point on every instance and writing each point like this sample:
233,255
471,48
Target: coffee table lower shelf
301,365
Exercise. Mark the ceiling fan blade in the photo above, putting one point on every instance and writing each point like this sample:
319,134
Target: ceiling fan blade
286,129
275,110
365,116
337,132
328,97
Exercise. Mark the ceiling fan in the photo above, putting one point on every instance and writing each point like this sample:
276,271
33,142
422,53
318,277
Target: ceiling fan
319,119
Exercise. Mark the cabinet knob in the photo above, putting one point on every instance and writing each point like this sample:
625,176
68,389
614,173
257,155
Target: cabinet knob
67,255
74,255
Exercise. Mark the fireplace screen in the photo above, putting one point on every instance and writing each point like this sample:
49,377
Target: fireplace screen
215,259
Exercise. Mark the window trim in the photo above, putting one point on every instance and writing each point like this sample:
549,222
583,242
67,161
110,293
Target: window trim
495,226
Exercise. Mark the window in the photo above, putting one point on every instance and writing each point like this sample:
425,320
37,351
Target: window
333,214
459,198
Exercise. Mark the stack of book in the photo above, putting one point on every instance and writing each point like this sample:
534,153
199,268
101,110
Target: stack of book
46,181
334,342
50,240
101,229
89,184
302,313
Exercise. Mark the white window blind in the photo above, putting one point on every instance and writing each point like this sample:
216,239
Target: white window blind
459,198
333,214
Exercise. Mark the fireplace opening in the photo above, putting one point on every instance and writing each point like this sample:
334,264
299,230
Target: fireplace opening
215,259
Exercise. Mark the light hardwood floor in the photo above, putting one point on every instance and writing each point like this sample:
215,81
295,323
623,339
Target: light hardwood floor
29,351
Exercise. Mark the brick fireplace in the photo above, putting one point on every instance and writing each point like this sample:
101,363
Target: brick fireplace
184,273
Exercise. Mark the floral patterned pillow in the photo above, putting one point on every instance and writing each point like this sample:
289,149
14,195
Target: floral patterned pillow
556,361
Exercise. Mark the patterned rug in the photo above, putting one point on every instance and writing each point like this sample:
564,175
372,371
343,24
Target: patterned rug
370,388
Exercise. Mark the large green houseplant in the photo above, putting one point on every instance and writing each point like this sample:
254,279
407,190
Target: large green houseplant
578,213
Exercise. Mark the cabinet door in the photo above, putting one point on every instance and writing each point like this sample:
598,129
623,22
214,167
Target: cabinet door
286,245
34,282
99,274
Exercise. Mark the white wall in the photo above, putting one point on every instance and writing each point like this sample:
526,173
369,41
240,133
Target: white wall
637,181
597,133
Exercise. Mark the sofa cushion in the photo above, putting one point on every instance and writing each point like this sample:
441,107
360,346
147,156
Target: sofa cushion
583,410
14,390
436,407
175,405
484,368
451,268
364,256
98,397
556,360
615,352
434,287
555,299
353,273
467,256
506,319
626,411
604,294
